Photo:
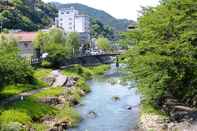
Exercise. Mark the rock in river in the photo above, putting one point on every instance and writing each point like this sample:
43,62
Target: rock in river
92,114
116,98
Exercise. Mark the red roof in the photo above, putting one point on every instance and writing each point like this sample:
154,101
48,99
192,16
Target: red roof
25,36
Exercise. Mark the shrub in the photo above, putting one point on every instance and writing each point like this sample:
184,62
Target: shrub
12,126
13,69
33,108
68,114
99,70
103,44
39,127
78,70
49,92
41,73
13,115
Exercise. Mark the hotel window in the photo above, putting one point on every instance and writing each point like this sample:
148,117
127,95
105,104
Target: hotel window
26,45
70,28
67,12
70,23
69,18
62,13
61,19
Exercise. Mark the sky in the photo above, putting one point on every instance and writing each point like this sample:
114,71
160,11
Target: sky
117,8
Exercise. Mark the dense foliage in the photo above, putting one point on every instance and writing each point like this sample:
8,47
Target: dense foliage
98,29
103,44
57,45
28,15
164,59
12,68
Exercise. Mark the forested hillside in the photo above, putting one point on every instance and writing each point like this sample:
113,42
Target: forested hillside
27,15
102,16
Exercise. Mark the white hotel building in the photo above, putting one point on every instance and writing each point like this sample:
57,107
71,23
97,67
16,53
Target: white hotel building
71,21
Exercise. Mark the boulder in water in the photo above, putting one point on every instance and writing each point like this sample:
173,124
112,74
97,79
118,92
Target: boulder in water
128,107
92,114
116,98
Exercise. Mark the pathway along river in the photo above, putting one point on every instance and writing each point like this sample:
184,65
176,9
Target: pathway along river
106,107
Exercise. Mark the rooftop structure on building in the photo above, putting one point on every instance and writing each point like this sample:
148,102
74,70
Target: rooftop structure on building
24,36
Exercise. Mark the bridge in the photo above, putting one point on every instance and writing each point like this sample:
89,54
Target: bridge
86,59
100,55
94,59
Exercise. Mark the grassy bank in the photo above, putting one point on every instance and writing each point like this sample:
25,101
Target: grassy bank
12,90
31,110
86,72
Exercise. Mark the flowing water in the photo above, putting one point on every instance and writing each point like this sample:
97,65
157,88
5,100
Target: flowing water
108,106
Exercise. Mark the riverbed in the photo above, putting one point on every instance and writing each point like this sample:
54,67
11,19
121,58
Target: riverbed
111,106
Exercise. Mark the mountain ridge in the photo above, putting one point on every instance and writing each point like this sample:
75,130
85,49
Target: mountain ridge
102,16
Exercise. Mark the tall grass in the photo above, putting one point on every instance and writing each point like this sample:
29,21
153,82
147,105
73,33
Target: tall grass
69,115
12,90
98,70
41,73
13,115
49,92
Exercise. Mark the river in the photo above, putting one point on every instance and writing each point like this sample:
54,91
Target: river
108,106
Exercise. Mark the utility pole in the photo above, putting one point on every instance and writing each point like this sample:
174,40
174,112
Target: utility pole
1,26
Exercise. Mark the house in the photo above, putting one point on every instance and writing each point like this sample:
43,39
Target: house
25,44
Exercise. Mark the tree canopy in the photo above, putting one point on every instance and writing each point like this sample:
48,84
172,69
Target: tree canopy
164,57
58,45
27,15
13,69
103,44
98,29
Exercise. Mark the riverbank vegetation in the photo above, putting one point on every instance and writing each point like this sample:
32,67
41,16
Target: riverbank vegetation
57,45
103,44
16,74
86,71
163,56
30,112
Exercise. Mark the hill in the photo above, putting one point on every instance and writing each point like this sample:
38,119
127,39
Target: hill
102,16
27,15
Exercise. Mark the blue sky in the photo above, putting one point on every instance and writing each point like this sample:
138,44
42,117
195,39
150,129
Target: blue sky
117,8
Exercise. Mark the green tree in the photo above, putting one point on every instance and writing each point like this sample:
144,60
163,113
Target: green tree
56,35
73,41
40,40
26,15
98,29
13,69
103,44
57,45
163,61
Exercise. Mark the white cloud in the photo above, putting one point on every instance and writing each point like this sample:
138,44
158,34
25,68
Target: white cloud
117,8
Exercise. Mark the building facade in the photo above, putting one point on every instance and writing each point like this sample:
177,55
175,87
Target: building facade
71,21
25,44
